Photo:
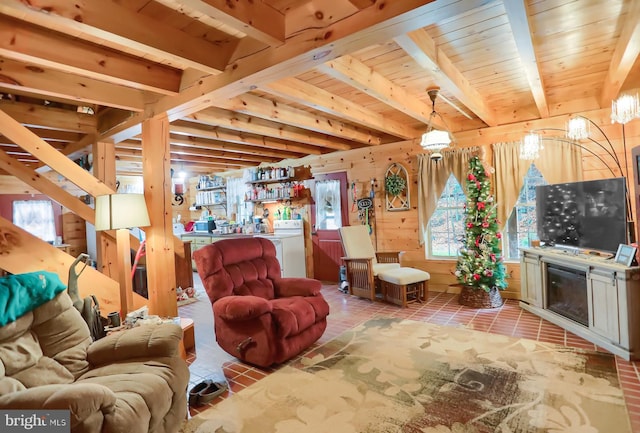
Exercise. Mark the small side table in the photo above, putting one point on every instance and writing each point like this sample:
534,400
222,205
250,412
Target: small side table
188,341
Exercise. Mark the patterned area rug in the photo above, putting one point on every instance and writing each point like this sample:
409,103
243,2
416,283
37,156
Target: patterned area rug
393,375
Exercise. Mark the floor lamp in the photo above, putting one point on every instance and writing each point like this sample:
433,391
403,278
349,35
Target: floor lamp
121,212
578,129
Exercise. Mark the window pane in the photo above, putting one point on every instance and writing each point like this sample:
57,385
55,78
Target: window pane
446,226
521,225
328,210
35,217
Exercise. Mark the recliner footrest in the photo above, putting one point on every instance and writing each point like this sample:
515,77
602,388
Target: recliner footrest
404,285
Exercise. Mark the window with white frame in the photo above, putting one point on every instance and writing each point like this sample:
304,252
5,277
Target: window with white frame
35,217
446,226
328,211
236,201
521,225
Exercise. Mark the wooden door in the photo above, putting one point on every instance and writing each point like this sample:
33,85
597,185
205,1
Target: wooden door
328,214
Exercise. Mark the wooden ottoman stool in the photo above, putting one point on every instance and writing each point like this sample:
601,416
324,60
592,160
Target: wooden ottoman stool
402,286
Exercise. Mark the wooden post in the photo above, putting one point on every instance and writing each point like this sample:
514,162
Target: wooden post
124,271
161,274
104,168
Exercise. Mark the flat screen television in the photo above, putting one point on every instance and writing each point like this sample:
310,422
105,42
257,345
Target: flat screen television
589,214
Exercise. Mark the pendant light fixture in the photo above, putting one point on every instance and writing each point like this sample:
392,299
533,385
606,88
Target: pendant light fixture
435,139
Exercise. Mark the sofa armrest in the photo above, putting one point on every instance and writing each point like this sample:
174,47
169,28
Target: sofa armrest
145,341
239,308
286,287
81,399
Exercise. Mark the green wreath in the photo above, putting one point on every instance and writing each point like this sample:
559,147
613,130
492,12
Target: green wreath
395,184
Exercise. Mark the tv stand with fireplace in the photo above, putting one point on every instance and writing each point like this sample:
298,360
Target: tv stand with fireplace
589,295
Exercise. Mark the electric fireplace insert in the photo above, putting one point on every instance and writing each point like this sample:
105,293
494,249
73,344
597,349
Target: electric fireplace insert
567,293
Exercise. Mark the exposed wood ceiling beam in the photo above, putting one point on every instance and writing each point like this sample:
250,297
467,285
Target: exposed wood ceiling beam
3,143
519,21
133,167
48,117
109,120
624,57
51,83
270,110
307,94
256,19
239,122
51,135
79,148
73,151
30,142
45,186
32,44
176,156
361,4
360,76
301,52
238,142
107,22
201,163
215,29
204,150
422,48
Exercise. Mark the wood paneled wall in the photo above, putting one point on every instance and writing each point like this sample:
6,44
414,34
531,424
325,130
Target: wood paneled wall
399,230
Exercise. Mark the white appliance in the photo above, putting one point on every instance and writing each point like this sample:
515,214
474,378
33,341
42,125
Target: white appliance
288,237
178,229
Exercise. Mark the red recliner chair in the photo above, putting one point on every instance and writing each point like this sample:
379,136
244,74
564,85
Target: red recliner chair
259,317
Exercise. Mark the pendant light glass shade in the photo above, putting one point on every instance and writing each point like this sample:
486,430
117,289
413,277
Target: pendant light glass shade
435,139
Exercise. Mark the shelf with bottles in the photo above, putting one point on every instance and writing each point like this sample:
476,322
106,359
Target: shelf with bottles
211,197
211,183
213,188
220,203
269,175
283,192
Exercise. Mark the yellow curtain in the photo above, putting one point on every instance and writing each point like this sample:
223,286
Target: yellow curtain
558,162
432,178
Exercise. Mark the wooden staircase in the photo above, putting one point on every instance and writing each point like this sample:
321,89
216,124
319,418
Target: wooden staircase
22,252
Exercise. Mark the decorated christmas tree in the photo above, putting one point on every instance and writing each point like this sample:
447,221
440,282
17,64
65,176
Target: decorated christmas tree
480,263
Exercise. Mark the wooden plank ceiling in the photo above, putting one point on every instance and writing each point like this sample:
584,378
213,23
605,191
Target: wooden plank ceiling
245,82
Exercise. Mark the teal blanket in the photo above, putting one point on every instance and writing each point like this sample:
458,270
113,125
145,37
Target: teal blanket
21,293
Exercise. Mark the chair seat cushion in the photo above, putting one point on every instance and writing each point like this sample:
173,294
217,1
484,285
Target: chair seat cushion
297,313
381,267
403,276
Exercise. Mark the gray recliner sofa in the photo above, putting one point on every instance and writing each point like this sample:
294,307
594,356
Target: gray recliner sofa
131,381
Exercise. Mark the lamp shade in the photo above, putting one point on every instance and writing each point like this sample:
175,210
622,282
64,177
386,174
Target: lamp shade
435,140
121,211
530,146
